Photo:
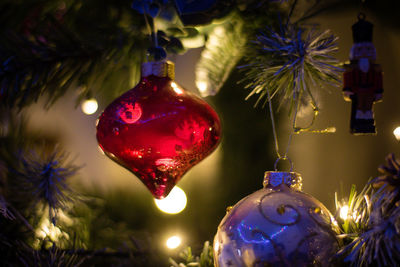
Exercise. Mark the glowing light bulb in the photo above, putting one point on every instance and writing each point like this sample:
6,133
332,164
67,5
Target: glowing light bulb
356,217
219,30
334,222
174,203
396,133
331,130
173,242
344,212
216,246
202,85
47,229
176,88
89,106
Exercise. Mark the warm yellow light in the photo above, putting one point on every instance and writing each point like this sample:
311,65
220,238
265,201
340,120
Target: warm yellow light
396,133
331,130
89,106
356,217
173,242
219,30
174,203
202,85
216,37
334,222
344,212
193,42
47,229
216,247
176,88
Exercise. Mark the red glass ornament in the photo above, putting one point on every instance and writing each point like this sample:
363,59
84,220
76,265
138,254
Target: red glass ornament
158,131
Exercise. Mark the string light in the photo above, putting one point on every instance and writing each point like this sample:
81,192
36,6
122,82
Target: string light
89,106
47,229
334,222
174,203
356,217
344,212
173,242
396,133
202,86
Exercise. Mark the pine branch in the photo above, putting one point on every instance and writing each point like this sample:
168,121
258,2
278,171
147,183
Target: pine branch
371,227
93,47
13,225
4,210
27,179
291,63
204,260
43,178
50,53
222,51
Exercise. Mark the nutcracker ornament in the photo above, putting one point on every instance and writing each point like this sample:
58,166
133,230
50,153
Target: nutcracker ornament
362,79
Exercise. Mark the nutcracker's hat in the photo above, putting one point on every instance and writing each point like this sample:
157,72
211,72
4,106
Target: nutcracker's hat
362,30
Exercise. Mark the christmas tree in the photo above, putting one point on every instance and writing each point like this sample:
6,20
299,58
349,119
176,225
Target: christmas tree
277,73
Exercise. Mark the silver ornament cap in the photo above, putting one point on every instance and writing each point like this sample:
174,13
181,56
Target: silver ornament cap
274,179
159,68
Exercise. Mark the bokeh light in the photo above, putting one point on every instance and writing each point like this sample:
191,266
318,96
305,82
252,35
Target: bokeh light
173,242
202,86
174,203
344,212
396,133
89,106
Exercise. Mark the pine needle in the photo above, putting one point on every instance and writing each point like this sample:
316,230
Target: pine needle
292,64
222,51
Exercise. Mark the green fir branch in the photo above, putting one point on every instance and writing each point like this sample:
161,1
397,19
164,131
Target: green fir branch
223,49
290,64
371,227
92,47
50,58
204,260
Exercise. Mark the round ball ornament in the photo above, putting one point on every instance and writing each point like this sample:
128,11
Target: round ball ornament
276,226
157,130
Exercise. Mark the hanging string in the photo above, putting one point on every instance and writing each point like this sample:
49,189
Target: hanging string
299,87
291,12
276,142
149,28
297,97
152,31
295,129
271,113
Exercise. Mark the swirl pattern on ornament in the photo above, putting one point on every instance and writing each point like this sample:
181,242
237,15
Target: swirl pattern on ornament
323,219
283,213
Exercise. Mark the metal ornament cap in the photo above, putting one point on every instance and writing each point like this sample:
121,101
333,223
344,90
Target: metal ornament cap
275,178
159,68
